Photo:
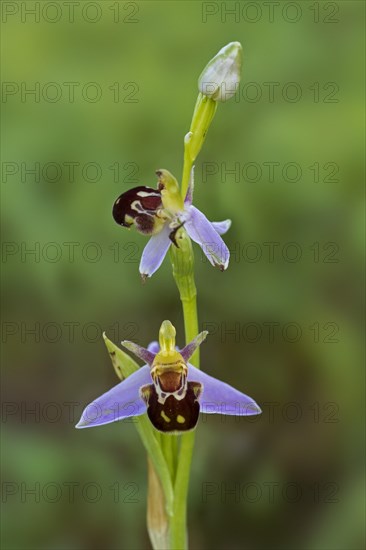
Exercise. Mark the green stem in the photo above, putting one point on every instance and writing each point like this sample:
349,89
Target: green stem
191,324
187,167
182,262
175,441
169,451
203,114
181,486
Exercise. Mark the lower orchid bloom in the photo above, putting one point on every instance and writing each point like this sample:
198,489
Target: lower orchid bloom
161,213
168,388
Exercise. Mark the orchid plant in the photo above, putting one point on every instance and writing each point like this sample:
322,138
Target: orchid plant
168,393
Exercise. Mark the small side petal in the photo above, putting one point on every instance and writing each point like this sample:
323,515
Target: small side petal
220,398
145,354
155,252
221,227
122,401
190,348
202,232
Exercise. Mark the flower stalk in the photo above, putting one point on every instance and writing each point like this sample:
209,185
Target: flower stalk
182,260
203,114
171,390
226,63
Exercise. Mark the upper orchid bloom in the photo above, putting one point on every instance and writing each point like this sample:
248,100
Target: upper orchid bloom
161,213
171,390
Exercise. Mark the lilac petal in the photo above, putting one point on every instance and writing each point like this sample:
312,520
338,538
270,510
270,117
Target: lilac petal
122,401
190,348
155,251
154,347
221,227
189,195
202,232
146,355
220,398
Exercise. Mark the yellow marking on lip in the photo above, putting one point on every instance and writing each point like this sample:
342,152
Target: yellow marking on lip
165,417
180,419
172,364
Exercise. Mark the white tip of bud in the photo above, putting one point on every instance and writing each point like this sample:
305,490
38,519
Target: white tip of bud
220,78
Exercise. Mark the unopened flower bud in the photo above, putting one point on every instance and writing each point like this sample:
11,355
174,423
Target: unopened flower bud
220,78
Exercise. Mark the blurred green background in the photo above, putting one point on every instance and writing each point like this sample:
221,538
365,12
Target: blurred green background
293,477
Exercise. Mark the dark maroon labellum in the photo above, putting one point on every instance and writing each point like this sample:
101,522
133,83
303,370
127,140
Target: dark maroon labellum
139,207
174,415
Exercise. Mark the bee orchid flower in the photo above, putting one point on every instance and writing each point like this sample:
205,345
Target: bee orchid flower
161,213
168,388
